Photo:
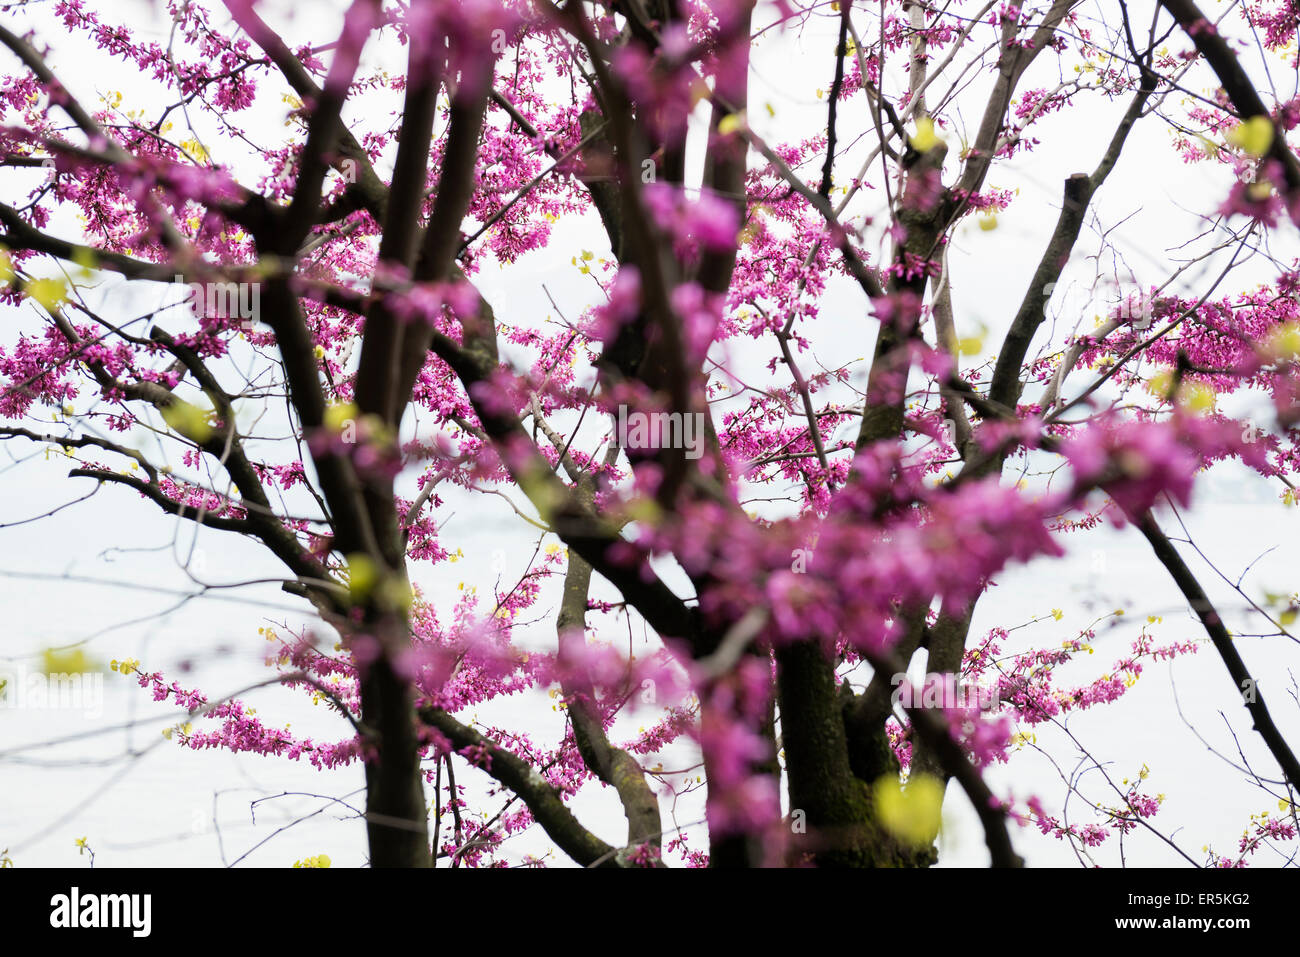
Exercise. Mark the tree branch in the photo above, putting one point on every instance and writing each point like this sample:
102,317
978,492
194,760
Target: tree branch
1247,686
543,800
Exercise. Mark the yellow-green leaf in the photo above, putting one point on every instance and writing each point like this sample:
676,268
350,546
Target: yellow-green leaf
1196,396
925,138
189,420
85,258
50,293
55,661
1254,136
911,814
1161,383
339,414
362,576
731,123
1284,342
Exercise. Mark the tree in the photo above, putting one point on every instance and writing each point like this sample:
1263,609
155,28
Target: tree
790,541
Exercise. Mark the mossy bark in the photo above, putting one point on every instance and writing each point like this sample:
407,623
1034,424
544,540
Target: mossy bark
841,827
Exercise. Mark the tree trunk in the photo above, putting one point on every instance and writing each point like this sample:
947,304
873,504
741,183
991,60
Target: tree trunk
396,815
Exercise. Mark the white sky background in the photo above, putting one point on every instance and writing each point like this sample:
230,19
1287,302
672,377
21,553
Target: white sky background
56,574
